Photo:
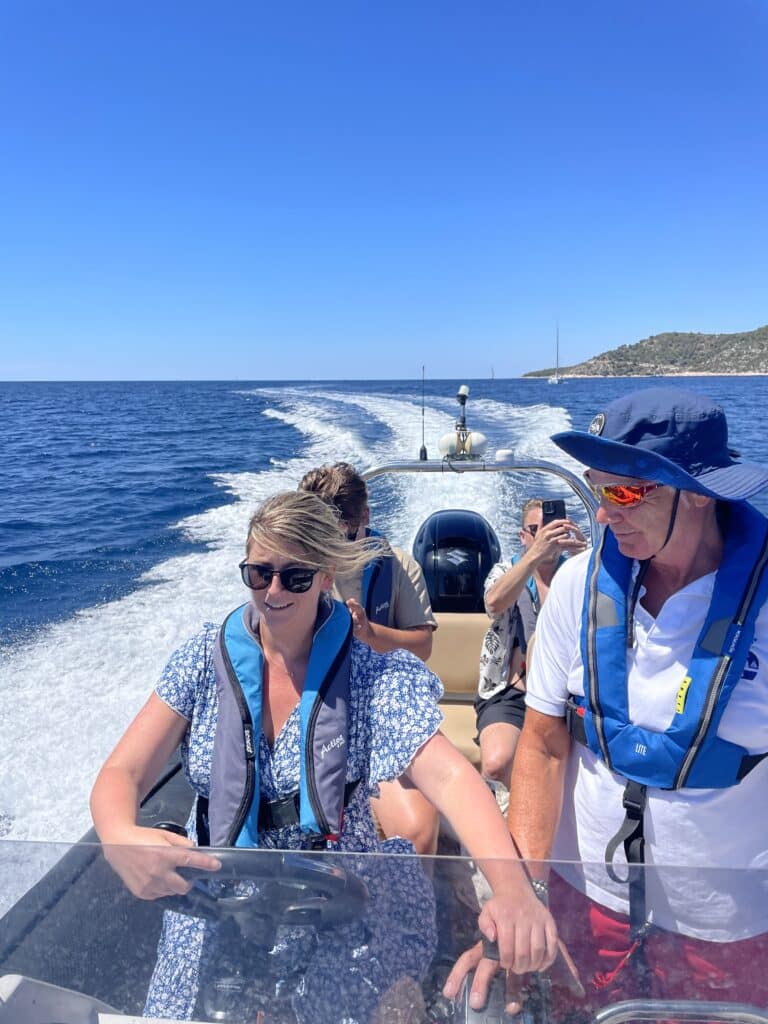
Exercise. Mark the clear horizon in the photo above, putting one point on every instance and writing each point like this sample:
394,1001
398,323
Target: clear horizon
349,194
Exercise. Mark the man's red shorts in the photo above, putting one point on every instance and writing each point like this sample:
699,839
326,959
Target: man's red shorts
669,966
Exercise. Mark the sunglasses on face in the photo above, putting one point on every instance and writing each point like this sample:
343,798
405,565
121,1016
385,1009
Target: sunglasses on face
532,528
622,495
296,579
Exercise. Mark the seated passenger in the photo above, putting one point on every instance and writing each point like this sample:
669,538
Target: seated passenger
514,594
293,549
390,609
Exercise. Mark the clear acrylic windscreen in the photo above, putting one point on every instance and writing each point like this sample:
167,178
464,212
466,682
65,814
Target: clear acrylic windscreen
314,937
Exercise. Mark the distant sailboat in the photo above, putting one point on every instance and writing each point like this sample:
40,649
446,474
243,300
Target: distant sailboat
556,378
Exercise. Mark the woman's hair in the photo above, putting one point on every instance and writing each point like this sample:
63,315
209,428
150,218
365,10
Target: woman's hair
299,520
341,486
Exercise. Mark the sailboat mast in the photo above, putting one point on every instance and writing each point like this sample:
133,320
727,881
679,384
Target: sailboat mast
555,378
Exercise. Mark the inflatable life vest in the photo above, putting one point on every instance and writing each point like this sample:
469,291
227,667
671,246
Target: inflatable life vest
234,813
689,753
377,585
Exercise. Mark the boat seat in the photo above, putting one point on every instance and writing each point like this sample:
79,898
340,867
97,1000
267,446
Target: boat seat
455,658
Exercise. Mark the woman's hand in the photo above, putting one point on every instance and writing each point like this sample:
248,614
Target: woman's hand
562,973
146,860
522,928
526,936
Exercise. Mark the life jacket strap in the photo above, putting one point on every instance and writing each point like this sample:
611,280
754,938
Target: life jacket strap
574,720
632,836
284,813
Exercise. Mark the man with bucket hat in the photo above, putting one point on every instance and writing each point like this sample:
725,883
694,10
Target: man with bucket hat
642,765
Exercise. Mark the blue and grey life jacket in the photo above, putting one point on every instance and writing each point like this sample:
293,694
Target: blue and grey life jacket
378,577
689,753
235,813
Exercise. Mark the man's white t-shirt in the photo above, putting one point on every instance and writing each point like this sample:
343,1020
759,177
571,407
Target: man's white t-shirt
690,832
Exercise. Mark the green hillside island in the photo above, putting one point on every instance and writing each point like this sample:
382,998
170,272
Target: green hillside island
675,354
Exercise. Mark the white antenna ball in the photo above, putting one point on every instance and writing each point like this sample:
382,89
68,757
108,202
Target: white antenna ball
447,444
476,443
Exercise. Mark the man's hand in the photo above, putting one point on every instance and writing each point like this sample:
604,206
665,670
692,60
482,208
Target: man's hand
517,987
561,536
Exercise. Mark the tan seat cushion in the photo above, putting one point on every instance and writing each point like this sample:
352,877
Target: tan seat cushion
456,645
455,657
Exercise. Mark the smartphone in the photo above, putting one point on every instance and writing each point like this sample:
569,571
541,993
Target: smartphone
552,508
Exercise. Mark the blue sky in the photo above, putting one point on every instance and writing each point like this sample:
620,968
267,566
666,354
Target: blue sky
268,191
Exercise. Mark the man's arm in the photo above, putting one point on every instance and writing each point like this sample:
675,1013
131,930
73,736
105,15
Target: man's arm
536,798
504,592
559,537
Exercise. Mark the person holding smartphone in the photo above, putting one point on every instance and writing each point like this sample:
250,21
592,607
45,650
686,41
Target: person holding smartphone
514,593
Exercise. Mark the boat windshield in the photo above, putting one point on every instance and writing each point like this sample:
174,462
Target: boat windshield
328,937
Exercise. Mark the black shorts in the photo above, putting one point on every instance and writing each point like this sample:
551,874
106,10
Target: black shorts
507,706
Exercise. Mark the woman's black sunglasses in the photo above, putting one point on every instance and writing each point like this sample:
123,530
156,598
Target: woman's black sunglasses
296,579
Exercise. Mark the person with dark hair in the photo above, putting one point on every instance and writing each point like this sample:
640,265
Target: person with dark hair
390,609
389,603
642,766
514,594
253,704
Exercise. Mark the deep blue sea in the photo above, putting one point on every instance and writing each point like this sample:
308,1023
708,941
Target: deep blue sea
123,512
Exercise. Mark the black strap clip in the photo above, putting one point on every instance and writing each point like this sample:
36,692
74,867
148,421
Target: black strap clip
634,800
630,835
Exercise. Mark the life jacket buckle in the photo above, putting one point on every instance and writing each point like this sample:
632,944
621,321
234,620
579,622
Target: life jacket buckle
634,799
316,841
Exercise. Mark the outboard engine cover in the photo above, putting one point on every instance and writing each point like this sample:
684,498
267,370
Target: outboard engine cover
456,549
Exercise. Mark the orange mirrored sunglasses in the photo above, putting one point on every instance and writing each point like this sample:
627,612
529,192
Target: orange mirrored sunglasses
623,495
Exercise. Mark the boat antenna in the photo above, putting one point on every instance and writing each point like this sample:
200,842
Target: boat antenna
462,444
461,426
423,449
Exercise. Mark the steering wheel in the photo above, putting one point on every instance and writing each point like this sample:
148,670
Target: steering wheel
292,889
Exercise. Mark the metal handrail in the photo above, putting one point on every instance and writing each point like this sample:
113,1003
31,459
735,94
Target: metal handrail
679,1010
468,465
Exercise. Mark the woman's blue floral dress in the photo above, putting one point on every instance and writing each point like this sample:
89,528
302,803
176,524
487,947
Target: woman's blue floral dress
392,713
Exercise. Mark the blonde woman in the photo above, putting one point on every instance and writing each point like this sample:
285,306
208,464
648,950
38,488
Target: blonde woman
290,656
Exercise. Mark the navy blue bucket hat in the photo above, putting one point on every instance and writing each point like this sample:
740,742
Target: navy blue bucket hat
668,436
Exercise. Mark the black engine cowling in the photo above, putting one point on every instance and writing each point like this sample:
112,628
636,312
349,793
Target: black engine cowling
456,549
